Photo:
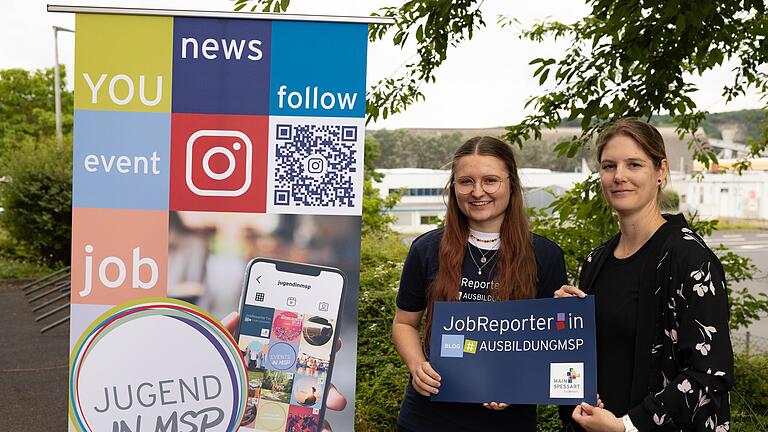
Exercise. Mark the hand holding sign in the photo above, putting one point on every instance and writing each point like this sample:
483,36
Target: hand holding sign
425,380
569,291
596,418
498,406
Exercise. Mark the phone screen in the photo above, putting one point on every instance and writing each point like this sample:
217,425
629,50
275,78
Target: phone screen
288,325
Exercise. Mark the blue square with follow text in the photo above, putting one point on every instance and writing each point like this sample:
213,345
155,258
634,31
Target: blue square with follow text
318,69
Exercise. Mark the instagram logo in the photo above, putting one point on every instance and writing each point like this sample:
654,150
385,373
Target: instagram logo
230,144
315,165
218,163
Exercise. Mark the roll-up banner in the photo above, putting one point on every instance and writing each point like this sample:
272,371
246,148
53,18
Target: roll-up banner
218,175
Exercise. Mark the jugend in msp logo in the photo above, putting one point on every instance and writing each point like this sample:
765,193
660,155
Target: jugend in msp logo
566,380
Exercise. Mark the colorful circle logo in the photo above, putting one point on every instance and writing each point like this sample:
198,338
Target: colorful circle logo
156,363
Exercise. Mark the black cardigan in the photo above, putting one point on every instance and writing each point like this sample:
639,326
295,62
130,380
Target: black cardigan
683,365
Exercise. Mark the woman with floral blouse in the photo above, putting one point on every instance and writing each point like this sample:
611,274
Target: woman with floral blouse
664,357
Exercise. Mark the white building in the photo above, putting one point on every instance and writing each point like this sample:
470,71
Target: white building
423,200
728,195
714,196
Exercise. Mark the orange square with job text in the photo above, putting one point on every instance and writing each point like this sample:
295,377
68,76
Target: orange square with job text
118,255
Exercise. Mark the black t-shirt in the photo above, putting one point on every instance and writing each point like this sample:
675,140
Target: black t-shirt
616,306
417,412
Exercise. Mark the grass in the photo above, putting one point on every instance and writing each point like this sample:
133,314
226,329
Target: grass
14,268
742,224
14,265
722,226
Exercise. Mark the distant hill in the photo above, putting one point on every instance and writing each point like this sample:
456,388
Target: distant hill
747,124
433,147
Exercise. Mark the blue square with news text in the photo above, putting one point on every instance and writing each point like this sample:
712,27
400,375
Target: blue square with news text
221,66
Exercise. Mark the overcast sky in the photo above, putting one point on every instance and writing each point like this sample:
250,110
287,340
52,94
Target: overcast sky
484,82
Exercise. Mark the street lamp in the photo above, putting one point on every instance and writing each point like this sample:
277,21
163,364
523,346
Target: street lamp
57,81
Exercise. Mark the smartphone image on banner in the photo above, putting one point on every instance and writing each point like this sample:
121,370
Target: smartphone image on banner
289,318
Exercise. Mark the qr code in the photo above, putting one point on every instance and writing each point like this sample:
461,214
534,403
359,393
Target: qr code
315,165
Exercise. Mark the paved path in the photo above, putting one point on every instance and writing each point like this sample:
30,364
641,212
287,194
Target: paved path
33,368
753,245
741,242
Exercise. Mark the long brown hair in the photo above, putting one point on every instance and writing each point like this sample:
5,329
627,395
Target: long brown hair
515,273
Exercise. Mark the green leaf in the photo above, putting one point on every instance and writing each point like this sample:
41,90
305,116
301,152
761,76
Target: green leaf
543,77
398,39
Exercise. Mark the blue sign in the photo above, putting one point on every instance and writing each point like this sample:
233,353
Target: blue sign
257,321
318,69
520,352
121,160
221,66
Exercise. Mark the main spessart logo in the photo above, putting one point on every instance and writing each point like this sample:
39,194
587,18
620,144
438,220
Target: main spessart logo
156,364
566,380
572,375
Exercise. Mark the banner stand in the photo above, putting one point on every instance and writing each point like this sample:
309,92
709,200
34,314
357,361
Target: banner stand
217,202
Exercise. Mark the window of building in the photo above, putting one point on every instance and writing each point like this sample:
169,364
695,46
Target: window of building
436,192
430,220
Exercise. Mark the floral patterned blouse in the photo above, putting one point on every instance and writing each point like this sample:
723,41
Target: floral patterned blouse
683,357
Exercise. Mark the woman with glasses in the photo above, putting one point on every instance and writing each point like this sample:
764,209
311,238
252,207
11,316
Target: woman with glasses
484,253
664,358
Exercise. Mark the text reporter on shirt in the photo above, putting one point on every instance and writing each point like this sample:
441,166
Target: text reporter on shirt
688,346
485,220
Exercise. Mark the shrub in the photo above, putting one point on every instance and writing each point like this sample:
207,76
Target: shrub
670,200
36,194
15,268
749,396
548,419
381,374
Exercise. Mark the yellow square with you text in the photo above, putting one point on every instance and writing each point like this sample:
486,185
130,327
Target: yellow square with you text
123,63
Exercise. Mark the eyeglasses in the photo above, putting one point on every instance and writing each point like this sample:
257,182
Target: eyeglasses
490,184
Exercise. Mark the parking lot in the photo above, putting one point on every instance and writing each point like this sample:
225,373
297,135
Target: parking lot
33,367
